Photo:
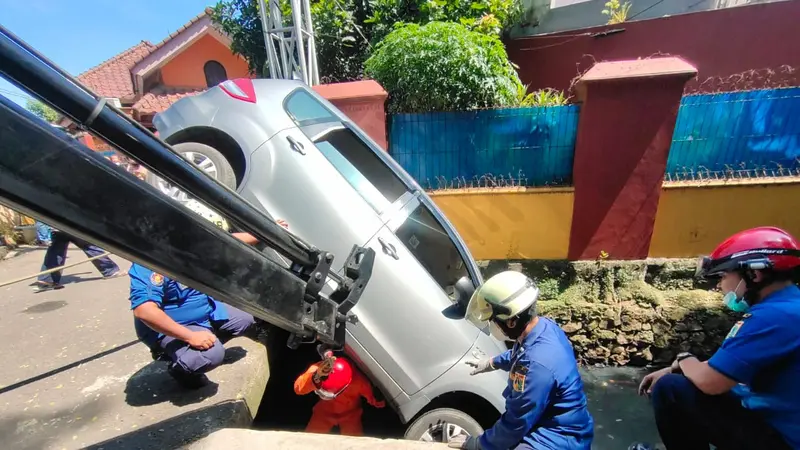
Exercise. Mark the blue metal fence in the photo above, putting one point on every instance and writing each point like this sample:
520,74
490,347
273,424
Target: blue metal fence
751,133
517,146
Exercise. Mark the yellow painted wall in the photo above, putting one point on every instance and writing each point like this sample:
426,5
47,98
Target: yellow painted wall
513,223
693,220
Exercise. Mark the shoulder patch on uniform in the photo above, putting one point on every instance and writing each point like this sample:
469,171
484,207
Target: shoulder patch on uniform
156,279
735,329
517,381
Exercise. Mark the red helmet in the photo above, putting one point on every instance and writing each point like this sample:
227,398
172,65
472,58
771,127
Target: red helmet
753,249
337,381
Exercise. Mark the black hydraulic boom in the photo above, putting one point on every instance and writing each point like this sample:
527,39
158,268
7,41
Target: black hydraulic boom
47,174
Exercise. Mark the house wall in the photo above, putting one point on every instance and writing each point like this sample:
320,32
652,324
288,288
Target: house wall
566,15
186,69
719,43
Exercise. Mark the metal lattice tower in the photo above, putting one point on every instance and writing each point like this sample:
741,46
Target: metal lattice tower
291,53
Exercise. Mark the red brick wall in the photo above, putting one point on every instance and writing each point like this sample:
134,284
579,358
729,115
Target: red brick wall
720,43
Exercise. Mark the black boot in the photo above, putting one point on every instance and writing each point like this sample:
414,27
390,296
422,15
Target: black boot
187,380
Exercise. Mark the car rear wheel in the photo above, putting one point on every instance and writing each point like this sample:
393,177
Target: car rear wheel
207,159
442,425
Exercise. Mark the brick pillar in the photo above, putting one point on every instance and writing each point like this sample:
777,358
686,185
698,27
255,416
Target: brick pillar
624,135
361,101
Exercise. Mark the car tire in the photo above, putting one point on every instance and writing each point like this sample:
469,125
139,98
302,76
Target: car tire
223,171
441,425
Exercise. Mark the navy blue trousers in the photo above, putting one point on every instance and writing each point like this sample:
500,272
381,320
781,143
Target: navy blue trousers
688,419
56,255
191,360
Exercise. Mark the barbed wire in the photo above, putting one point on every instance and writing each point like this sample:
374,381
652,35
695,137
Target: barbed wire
739,172
768,78
488,181
693,175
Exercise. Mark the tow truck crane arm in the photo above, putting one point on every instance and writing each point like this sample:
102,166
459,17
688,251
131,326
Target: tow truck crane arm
47,174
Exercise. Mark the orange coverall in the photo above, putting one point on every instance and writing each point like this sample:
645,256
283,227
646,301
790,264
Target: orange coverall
344,410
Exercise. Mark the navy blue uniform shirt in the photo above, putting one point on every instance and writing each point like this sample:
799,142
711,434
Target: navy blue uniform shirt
762,353
183,304
545,402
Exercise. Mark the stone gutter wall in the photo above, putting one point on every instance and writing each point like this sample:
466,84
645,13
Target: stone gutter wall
628,312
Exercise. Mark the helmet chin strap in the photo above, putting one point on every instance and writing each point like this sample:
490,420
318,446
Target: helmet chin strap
753,288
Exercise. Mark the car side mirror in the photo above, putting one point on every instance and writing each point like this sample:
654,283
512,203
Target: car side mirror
463,293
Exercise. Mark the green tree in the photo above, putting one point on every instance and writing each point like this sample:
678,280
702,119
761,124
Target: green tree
240,20
493,17
346,31
44,112
341,51
443,67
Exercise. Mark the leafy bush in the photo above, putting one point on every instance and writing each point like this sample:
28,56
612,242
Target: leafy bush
542,97
485,16
443,67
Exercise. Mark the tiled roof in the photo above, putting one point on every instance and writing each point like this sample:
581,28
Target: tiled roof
112,78
206,12
161,98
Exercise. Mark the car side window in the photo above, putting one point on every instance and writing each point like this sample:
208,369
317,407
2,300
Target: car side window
361,167
305,109
429,242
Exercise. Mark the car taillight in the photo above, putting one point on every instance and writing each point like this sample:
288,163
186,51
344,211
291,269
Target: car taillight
240,89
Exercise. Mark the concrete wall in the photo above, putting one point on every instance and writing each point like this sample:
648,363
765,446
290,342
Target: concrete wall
514,223
719,43
519,223
692,220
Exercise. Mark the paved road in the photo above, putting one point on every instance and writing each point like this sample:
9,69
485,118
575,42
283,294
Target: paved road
73,375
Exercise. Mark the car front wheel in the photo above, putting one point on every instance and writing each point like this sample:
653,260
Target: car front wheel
442,425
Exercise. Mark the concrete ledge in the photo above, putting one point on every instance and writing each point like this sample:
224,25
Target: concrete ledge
240,439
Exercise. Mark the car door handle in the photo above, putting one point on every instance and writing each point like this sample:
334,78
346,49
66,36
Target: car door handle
296,146
388,248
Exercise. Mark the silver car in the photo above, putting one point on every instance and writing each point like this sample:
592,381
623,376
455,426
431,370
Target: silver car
295,156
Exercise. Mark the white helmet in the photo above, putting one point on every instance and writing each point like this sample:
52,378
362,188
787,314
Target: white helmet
207,213
502,297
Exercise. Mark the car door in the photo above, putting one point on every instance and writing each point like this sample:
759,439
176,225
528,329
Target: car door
312,178
401,314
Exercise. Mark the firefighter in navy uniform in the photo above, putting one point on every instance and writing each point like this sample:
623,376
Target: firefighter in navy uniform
545,403
747,395
182,323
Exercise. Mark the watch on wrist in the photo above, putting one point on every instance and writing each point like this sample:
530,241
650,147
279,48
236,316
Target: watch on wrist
676,366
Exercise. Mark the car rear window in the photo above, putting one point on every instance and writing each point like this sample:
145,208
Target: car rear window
305,109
